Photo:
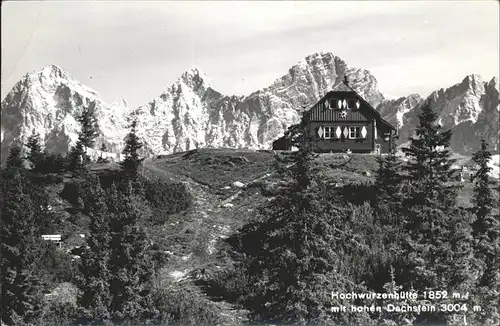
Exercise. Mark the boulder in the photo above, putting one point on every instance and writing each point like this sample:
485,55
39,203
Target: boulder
238,184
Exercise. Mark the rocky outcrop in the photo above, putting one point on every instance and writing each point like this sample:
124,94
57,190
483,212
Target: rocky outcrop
469,108
190,114
394,110
48,102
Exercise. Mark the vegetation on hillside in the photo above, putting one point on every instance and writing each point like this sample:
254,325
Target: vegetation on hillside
413,237
310,229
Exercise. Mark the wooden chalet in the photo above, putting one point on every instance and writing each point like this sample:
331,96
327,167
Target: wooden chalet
342,121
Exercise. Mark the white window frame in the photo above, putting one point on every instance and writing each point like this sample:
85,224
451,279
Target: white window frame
353,128
331,132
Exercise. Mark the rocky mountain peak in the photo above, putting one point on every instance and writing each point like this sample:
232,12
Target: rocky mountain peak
475,83
49,79
46,76
393,110
468,108
50,70
194,79
493,84
48,101
190,114
320,59
321,64
493,81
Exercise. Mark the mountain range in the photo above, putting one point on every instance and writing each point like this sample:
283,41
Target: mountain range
191,114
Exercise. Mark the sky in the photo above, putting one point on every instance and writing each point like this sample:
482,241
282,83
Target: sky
136,49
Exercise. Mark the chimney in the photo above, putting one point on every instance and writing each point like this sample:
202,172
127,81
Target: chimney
346,80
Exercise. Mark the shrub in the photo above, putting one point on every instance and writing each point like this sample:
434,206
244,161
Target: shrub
60,314
229,285
51,163
72,192
57,266
47,179
61,308
359,193
185,307
166,198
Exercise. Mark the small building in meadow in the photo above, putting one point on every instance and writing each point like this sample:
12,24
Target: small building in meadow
342,121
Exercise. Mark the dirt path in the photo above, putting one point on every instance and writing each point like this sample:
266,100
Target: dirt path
205,203
209,222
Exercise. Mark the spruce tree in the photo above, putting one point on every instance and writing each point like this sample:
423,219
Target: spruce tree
132,162
293,250
14,160
89,126
21,291
437,249
482,198
95,297
35,154
76,157
130,261
487,226
397,318
429,168
388,180
86,138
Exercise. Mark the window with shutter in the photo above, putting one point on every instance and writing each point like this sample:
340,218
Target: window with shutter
328,132
354,132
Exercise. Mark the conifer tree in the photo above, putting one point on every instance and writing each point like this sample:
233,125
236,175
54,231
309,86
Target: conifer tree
95,297
130,261
388,179
397,318
35,154
76,157
487,226
437,249
293,250
482,198
21,291
429,168
132,162
89,126
14,159
86,138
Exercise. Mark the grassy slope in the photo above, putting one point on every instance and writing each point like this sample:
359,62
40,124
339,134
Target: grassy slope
192,236
209,175
220,208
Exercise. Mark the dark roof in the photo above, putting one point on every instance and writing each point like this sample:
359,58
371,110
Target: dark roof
344,87
282,138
